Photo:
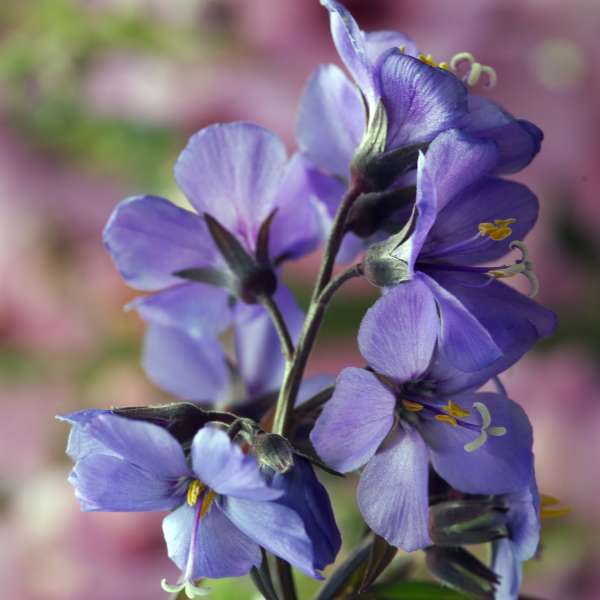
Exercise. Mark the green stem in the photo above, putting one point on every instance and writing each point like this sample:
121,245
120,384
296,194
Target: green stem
287,345
285,579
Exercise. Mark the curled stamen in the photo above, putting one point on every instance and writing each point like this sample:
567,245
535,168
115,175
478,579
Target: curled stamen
486,430
522,266
475,69
191,590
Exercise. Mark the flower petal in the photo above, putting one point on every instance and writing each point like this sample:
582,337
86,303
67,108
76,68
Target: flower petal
392,491
221,465
232,171
518,141
331,120
463,341
508,568
350,43
276,527
258,349
149,239
190,367
199,309
378,42
220,548
354,421
398,334
421,101
503,464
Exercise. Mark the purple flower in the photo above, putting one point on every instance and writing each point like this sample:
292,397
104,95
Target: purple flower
240,175
406,410
464,217
196,367
523,523
223,507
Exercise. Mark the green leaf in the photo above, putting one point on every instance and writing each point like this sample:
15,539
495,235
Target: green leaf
414,590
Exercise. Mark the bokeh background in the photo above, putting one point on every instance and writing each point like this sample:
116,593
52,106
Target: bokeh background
97,97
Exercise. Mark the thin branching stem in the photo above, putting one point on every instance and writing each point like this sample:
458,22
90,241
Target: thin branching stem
287,345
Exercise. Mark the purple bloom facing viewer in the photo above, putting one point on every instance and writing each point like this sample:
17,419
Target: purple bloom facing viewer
224,509
465,217
407,410
240,175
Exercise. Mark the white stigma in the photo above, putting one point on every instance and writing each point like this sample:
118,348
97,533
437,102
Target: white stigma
191,590
475,70
486,430
523,266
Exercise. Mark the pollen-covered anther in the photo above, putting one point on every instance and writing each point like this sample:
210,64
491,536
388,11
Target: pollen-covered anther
455,410
411,406
522,266
549,508
428,60
194,490
474,71
486,429
447,419
498,230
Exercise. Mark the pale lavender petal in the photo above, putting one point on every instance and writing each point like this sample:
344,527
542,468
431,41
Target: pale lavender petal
149,239
258,349
503,464
508,568
221,465
354,421
219,548
331,120
378,42
398,334
189,367
421,101
392,491
232,171
463,341
350,43
276,527
199,309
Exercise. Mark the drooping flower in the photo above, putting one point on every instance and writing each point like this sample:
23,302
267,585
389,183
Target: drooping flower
408,409
224,509
464,217
239,175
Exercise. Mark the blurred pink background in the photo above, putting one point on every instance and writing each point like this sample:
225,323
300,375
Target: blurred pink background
97,97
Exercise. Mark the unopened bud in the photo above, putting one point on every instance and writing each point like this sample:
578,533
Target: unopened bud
274,452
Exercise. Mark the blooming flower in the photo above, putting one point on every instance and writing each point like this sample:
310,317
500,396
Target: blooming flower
464,217
407,409
223,507
238,174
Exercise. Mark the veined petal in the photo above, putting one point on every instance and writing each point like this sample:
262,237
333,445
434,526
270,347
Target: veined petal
355,420
398,334
350,43
502,464
219,548
258,349
508,568
197,308
277,528
331,120
463,341
392,491
149,239
421,101
485,202
232,172
190,367
221,465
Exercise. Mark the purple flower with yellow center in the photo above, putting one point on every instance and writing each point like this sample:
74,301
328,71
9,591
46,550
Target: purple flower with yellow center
239,177
464,217
407,410
224,508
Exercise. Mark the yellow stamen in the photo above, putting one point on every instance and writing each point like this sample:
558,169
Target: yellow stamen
455,410
194,491
428,60
206,502
549,510
402,49
498,230
412,406
446,419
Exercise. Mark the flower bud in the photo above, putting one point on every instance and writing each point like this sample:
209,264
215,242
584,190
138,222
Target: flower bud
274,452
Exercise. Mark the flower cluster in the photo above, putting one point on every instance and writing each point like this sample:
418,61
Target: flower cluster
399,168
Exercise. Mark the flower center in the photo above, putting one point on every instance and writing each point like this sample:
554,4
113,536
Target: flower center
195,490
